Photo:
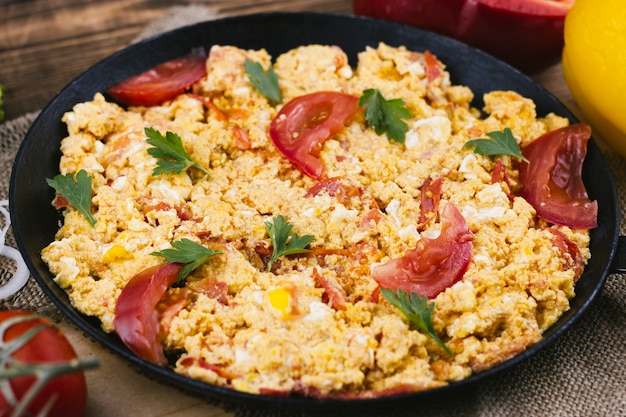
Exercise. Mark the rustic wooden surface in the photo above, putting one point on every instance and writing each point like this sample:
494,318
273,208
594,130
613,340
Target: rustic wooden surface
44,44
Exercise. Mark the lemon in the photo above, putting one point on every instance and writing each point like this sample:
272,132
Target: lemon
594,66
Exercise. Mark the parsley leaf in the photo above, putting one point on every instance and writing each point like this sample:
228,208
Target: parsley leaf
186,251
501,143
266,83
417,310
170,153
279,231
76,191
385,115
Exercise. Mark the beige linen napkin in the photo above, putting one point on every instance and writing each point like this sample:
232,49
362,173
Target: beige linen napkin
582,374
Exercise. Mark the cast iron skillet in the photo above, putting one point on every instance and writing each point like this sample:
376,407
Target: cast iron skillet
35,221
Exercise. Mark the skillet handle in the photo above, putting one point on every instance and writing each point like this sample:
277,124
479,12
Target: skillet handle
619,262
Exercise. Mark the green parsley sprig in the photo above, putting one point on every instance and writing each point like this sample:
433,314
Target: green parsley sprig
285,243
385,115
170,153
77,191
186,251
266,83
501,143
417,309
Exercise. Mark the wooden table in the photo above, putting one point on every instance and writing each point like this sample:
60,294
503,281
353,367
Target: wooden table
44,44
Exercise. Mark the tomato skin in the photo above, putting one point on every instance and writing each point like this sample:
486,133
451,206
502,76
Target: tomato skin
525,33
161,83
48,346
434,264
552,181
136,321
303,125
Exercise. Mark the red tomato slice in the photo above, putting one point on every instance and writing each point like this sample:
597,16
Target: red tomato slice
552,182
303,125
434,264
161,83
63,396
136,321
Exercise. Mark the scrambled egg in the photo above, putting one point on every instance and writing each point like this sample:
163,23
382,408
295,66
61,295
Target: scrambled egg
316,324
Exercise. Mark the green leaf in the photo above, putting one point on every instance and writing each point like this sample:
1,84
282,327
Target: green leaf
284,243
501,143
266,83
186,251
385,116
417,309
170,153
76,191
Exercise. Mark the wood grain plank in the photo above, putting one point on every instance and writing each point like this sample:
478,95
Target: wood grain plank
45,47
44,44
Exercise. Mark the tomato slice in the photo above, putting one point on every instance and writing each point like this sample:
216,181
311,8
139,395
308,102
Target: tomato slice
163,82
136,321
552,181
303,125
434,264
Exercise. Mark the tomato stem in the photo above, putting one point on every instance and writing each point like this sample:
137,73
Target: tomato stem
44,372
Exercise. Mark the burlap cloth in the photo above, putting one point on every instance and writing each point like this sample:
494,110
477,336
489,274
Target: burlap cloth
582,374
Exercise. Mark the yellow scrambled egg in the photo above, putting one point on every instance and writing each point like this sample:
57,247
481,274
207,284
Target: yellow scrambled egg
316,324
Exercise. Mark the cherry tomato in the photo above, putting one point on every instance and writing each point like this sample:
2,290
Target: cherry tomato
161,83
526,33
434,264
552,181
136,321
64,395
303,125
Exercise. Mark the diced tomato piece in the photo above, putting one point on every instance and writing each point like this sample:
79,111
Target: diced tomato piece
576,262
430,195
